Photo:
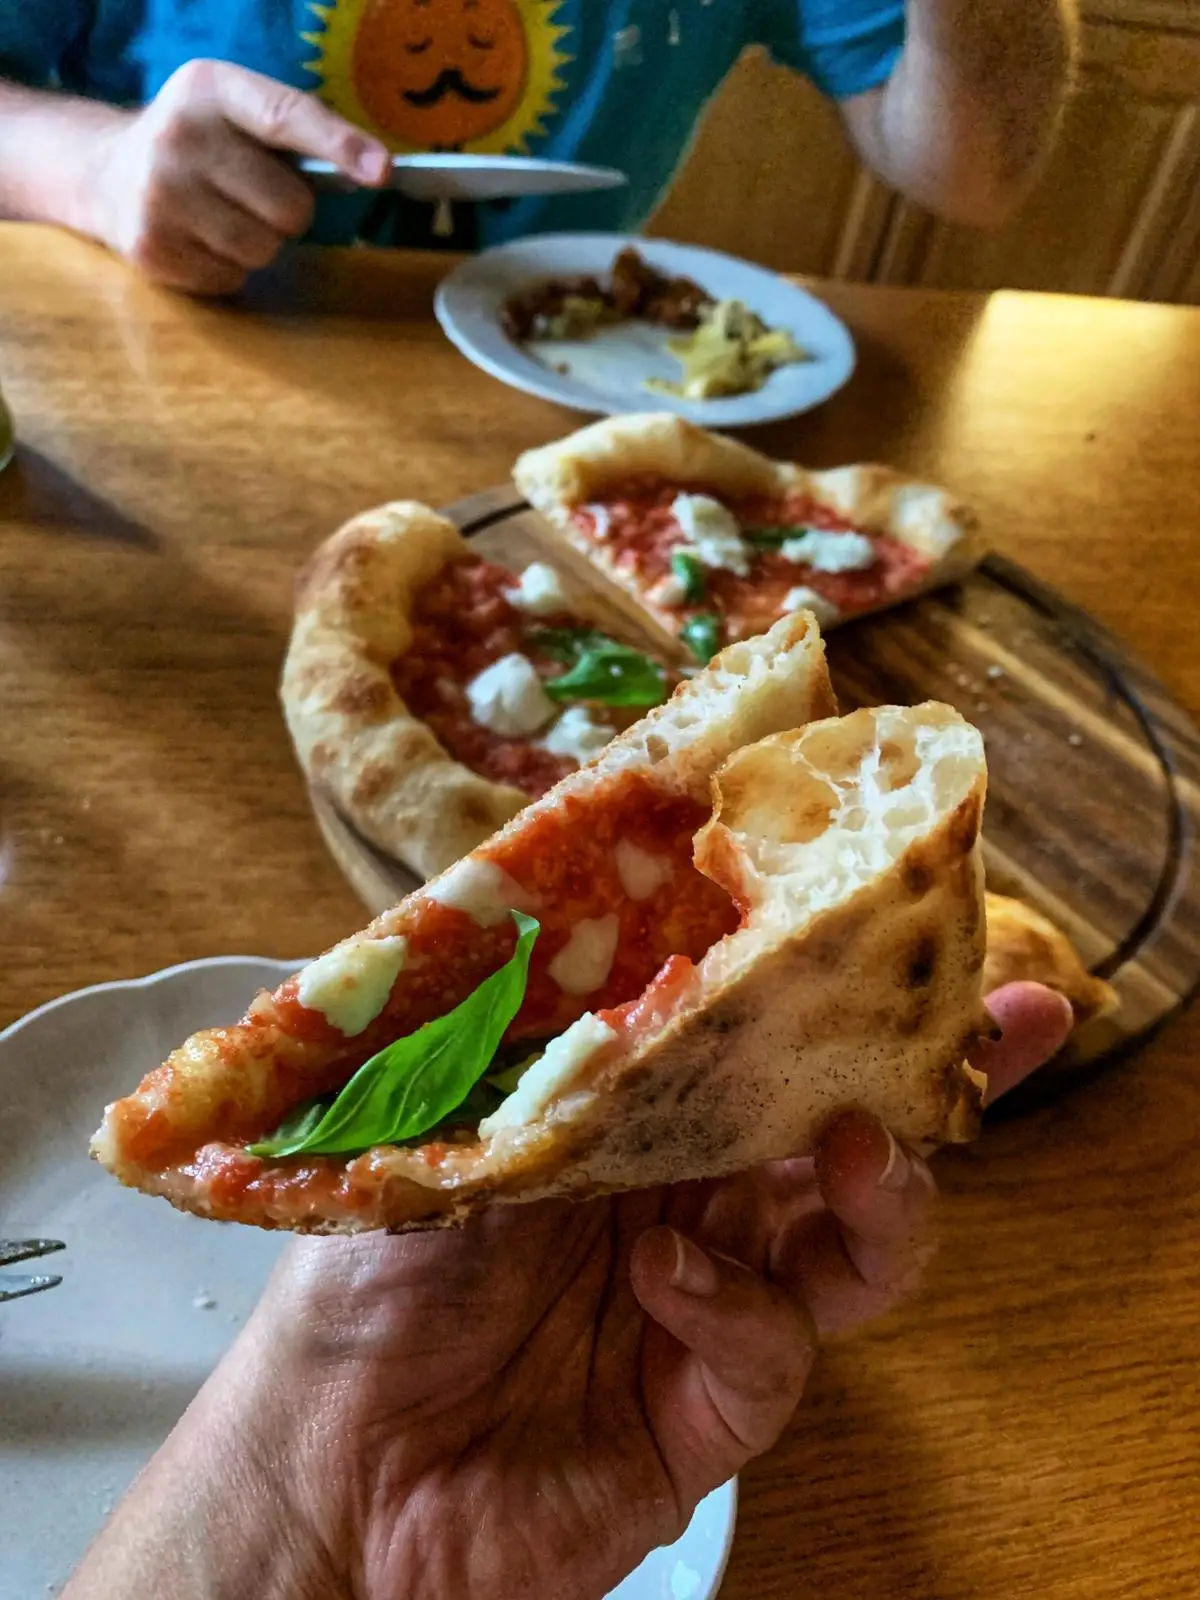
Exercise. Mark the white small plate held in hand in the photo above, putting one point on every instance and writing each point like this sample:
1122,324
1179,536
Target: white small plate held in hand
435,176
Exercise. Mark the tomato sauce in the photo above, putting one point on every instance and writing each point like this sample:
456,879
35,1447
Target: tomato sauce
462,623
566,865
641,532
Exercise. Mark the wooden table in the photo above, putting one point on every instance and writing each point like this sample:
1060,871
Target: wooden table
1030,1427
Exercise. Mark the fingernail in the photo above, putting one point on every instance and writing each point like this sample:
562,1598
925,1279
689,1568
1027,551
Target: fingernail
369,160
694,1272
895,1174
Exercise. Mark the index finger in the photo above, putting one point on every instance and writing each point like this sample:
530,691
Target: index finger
1034,1022
284,118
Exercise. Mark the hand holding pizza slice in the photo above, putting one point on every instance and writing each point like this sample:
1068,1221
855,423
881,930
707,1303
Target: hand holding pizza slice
627,985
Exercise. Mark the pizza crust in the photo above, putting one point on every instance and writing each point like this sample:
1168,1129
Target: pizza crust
1022,944
866,990
166,1136
353,734
558,478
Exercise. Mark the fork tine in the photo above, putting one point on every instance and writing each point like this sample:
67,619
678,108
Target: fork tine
13,1251
15,1288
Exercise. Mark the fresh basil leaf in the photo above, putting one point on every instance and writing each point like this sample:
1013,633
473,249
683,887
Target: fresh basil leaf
412,1085
772,538
301,1125
613,674
691,572
702,635
568,644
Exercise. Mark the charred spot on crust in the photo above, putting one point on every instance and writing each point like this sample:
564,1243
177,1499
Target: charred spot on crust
636,1077
476,813
375,779
916,875
922,962
689,1086
963,826
363,696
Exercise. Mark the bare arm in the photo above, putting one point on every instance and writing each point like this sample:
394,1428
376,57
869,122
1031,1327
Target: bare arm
48,143
194,188
962,122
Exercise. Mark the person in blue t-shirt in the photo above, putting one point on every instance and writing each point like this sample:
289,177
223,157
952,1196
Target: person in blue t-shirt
157,126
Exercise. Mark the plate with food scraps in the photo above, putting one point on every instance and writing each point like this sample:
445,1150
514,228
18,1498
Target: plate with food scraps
604,323
437,175
95,1373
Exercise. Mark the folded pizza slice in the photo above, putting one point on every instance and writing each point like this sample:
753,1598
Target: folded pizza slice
716,541
651,974
433,693
1022,944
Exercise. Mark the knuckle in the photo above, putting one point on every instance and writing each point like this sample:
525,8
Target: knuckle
172,142
277,110
193,81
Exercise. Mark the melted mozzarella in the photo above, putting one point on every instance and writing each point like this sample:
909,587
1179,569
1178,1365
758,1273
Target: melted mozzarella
483,890
539,591
576,735
802,598
640,872
350,984
712,532
561,1061
830,552
583,964
601,521
507,698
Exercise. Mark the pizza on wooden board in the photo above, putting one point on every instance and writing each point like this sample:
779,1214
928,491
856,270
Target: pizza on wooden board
716,541
433,693
649,975
1023,944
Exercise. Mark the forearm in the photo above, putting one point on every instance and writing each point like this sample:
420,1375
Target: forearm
963,121
48,149
211,1517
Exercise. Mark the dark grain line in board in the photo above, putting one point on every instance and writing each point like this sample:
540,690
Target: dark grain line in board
1101,834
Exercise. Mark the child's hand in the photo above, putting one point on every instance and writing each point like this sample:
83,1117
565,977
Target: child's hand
188,189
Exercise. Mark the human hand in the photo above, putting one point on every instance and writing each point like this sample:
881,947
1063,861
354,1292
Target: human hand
189,189
527,1405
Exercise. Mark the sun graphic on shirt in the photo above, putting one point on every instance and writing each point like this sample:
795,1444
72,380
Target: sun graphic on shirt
473,75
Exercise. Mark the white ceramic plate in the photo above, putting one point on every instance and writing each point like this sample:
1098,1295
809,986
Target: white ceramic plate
94,1374
464,177
608,372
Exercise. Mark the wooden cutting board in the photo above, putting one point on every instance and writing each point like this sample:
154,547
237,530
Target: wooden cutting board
1093,770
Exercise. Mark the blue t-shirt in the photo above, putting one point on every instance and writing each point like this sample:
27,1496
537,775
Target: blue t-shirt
615,82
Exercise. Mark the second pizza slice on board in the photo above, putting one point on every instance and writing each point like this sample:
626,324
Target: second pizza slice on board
433,693
675,964
716,541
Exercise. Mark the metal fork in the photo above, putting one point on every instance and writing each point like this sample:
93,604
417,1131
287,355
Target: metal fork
14,1286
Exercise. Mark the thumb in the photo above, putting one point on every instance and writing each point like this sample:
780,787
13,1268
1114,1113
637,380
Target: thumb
742,1351
284,118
